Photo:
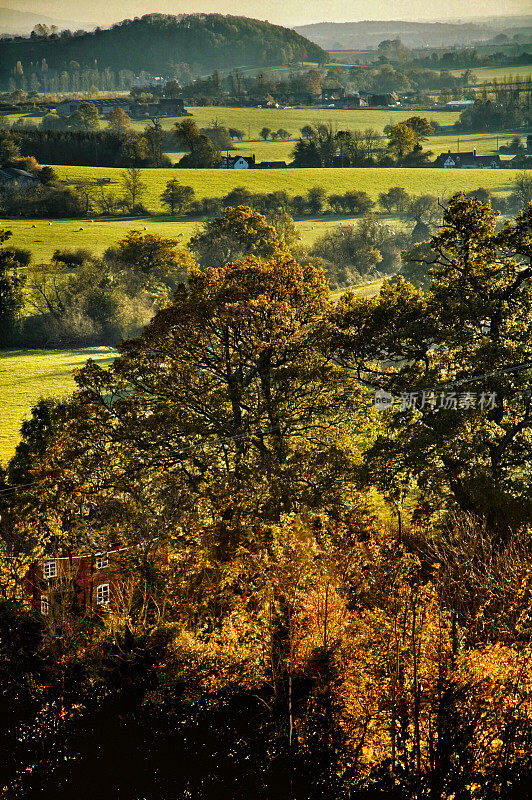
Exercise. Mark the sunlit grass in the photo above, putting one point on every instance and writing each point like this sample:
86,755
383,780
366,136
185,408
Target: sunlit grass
218,182
28,375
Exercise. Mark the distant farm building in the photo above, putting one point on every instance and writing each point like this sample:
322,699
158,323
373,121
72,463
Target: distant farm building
458,105
238,162
357,100
387,100
165,107
467,161
17,180
271,165
349,101
248,162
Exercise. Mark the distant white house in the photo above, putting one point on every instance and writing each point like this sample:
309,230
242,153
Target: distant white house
238,162
467,161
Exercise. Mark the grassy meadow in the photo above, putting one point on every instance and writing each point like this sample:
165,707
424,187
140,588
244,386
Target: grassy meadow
105,232
343,58
218,182
487,74
252,120
42,238
96,237
28,375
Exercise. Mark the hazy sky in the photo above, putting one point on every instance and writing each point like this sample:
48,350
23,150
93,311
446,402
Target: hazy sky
282,12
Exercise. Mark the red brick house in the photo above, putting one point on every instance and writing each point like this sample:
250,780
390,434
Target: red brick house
93,580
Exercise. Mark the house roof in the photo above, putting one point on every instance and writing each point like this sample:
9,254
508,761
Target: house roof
459,103
271,165
11,173
467,158
233,159
487,159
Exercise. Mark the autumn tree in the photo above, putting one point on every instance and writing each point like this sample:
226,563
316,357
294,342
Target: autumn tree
522,194
36,432
237,133
219,136
421,127
401,140
395,199
466,439
154,137
316,197
210,420
9,149
238,430
118,121
425,211
85,118
186,132
152,262
237,233
204,154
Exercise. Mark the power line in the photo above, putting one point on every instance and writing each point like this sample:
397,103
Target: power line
183,451
463,381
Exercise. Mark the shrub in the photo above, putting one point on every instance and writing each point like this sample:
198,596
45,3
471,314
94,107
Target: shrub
44,201
352,202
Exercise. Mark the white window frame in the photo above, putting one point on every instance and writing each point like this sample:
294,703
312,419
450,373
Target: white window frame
102,594
50,569
102,560
45,605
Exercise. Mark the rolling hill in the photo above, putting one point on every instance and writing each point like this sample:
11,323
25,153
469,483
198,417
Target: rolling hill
156,42
19,23
368,34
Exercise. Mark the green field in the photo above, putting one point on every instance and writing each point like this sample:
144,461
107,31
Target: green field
28,375
103,233
252,120
487,74
485,143
96,236
217,182
100,234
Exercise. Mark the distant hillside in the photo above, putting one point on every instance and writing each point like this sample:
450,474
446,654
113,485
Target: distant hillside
367,35
155,42
16,23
